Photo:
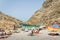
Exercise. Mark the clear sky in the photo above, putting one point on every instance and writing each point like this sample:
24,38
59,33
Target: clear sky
20,9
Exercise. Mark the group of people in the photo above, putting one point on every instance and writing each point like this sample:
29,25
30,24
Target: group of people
34,31
3,34
56,24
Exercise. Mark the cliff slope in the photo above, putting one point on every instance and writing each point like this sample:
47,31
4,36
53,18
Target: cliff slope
50,11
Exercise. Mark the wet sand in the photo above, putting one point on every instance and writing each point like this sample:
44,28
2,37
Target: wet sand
24,36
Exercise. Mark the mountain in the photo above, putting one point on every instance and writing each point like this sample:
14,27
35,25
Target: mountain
47,14
8,22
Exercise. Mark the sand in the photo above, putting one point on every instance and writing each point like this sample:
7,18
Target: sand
24,36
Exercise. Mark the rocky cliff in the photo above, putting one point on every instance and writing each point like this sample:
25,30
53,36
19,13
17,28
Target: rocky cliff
8,22
49,12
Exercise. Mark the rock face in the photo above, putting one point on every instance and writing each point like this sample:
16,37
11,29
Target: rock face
8,22
49,12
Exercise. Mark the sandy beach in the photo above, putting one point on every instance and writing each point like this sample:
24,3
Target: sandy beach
24,36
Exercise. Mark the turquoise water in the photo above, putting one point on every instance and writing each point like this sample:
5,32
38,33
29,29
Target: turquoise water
29,26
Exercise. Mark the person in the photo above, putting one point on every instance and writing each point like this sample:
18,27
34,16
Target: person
55,25
14,27
31,33
36,31
59,25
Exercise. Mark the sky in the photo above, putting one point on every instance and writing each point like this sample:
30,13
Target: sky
20,9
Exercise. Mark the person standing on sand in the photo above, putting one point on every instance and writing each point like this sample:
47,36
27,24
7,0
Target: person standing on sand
32,32
14,27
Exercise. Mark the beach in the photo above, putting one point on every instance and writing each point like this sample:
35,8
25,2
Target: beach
24,36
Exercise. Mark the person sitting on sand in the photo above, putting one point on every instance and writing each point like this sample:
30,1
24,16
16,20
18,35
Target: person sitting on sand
55,25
